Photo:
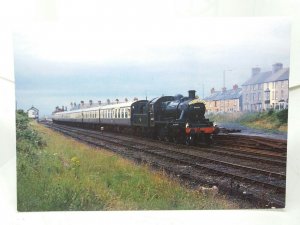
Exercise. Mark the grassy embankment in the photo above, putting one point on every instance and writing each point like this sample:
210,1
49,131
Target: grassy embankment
58,173
269,120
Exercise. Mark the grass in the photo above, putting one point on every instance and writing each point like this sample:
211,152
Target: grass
67,175
269,120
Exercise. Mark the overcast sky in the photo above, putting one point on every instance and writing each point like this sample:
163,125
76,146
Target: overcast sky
56,64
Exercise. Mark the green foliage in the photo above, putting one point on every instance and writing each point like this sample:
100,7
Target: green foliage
270,112
267,120
28,139
282,116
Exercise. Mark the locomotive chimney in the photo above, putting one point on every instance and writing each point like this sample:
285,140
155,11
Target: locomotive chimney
192,94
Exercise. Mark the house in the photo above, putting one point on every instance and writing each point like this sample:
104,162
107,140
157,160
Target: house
225,100
33,113
266,90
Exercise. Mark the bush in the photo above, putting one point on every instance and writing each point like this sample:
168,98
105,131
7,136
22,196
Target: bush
270,112
28,139
282,116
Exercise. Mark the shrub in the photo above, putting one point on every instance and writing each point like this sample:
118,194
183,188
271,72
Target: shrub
282,116
270,112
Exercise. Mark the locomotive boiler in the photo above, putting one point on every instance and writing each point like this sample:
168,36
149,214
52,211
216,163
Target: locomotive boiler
174,118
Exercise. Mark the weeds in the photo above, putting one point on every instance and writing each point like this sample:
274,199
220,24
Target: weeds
268,120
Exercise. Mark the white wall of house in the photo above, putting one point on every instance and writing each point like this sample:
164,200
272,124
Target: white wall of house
32,113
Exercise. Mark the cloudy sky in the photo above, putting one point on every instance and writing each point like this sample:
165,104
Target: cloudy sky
56,63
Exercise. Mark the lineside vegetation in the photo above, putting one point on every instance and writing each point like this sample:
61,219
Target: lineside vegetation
268,120
58,173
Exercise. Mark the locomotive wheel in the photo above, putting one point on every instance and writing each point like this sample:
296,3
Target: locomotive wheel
161,136
208,139
189,140
175,140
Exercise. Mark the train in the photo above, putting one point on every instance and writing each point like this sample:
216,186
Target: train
171,118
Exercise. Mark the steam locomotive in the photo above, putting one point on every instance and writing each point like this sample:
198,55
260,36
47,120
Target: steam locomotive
173,118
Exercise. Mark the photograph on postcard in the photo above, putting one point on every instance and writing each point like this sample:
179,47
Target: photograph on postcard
182,114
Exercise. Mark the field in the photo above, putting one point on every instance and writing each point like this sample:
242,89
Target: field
59,173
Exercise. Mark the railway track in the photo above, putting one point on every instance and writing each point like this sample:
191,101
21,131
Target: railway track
242,177
253,142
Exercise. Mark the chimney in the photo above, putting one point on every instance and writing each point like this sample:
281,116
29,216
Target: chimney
255,71
62,108
235,87
276,67
99,102
212,90
192,94
223,89
91,102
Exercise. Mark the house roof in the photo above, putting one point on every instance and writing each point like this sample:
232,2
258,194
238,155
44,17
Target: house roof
269,76
33,108
226,95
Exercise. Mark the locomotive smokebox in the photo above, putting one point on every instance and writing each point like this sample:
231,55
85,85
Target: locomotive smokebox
192,94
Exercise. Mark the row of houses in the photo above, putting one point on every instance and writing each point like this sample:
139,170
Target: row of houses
262,91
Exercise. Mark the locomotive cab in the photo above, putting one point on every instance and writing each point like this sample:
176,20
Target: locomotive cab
140,114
